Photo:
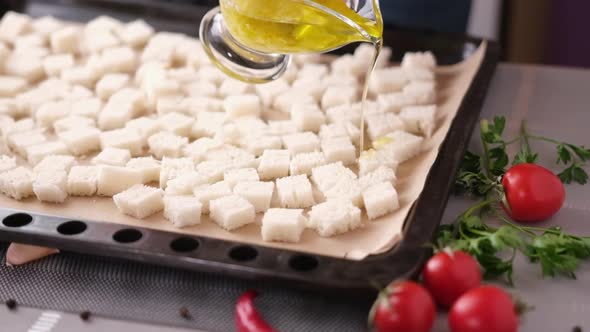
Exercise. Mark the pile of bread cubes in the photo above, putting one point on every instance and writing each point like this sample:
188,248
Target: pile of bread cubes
119,110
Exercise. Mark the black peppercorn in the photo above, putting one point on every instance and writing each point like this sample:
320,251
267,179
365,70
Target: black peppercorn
577,329
85,315
184,313
11,304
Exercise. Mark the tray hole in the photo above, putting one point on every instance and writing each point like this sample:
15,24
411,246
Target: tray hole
73,227
243,253
128,235
17,220
303,263
184,244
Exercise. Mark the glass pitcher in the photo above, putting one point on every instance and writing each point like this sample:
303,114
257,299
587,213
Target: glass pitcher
252,40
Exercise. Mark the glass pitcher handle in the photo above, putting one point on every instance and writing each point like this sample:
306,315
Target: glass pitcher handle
235,59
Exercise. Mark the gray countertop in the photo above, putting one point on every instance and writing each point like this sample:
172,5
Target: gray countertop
555,102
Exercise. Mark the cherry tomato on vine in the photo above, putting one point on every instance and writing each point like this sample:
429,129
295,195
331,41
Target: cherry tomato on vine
533,193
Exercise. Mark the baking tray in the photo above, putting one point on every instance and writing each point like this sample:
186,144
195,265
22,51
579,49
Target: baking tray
276,265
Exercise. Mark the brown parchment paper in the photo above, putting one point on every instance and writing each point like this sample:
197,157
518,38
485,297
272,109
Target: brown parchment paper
375,237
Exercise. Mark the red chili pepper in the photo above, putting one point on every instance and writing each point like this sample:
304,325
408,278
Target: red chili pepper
247,318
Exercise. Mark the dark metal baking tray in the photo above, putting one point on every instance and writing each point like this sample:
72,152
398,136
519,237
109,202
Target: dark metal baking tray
264,263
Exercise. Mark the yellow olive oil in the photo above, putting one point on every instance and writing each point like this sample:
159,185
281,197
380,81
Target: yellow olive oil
303,26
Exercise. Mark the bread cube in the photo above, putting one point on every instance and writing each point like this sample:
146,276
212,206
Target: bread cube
364,54
176,123
307,117
283,225
50,186
233,87
10,86
19,141
98,40
211,74
346,189
118,60
400,145
9,107
50,112
326,176
274,164
25,65
334,217
198,149
284,101
130,96
200,89
165,144
339,149
387,80
419,74
172,104
310,86
372,159
344,113
379,175
73,122
112,156
419,120
87,107
419,60
80,75
250,126
82,181
232,212
301,143
335,96
303,163
207,124
207,193
112,180
81,141
258,144
115,116
315,70
17,183
380,199
182,211
13,25
242,105
343,65
214,169
46,24
7,163
295,192
229,134
394,102
145,126
235,176
124,138
104,23
257,193
335,79
55,163
14,127
155,89
109,84
140,201
147,166
184,184
269,91
423,93
55,64
136,33
380,124
340,130
173,167
36,153
281,128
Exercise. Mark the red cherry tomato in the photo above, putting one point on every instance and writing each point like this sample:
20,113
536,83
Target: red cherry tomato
533,193
447,275
483,309
404,306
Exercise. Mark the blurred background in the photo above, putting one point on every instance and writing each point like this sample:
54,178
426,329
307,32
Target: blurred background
552,32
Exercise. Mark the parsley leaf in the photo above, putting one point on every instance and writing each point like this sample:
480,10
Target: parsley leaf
574,173
563,154
580,151
499,160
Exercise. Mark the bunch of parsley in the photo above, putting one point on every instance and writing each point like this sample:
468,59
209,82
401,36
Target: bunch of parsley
495,248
